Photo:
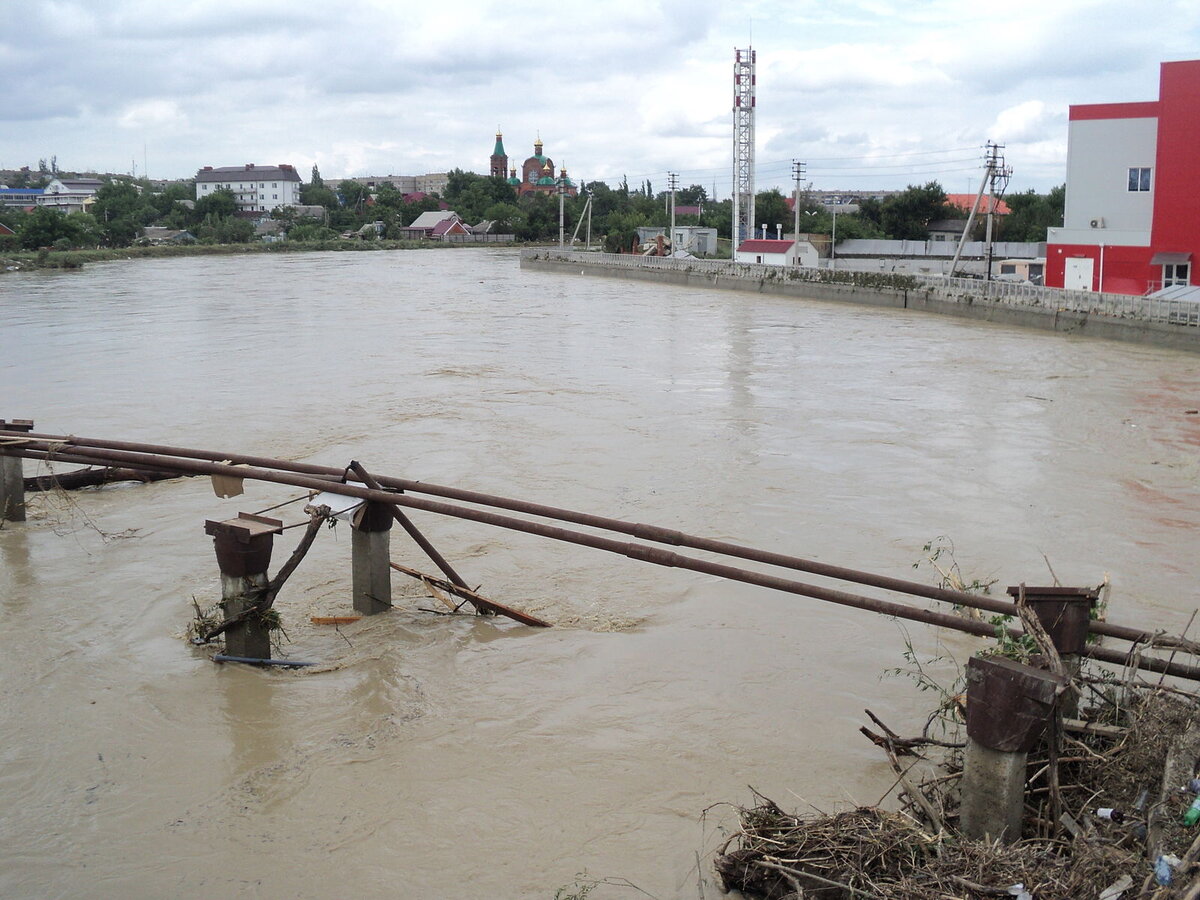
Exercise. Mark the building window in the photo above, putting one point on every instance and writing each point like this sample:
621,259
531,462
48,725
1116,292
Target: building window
1176,273
1139,179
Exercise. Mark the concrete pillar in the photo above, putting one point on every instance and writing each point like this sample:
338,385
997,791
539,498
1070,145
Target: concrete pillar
1008,708
371,566
12,477
250,639
993,793
243,547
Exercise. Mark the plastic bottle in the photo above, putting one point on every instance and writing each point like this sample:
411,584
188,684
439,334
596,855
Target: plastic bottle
1140,803
1164,869
1113,815
1192,816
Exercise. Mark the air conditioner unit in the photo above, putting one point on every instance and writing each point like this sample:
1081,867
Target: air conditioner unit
1097,222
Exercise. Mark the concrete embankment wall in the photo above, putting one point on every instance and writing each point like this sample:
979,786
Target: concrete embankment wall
924,299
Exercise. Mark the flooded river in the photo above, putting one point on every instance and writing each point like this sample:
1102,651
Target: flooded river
458,758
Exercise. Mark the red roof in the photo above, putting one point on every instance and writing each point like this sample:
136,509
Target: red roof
449,226
966,201
1145,110
765,246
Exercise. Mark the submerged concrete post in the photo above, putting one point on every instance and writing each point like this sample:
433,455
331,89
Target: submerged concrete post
1008,708
12,477
243,546
371,565
1065,613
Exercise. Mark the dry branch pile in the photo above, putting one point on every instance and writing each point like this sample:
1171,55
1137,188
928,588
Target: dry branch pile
1141,744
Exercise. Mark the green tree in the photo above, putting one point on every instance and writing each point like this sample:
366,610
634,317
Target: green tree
229,230
1032,214
311,231
315,193
771,209
388,197
541,218
906,216
353,194
122,211
471,195
620,230
88,232
219,204
507,218
43,227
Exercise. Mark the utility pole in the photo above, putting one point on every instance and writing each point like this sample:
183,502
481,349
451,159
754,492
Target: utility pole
797,174
833,242
673,184
562,192
998,172
995,173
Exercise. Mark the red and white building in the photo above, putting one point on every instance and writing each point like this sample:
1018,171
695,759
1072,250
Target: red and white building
1132,218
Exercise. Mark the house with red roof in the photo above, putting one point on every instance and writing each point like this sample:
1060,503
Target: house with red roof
769,252
966,202
448,228
435,224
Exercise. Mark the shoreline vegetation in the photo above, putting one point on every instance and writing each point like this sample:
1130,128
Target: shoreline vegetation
30,260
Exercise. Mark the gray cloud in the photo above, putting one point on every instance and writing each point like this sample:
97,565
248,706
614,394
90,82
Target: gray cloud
625,87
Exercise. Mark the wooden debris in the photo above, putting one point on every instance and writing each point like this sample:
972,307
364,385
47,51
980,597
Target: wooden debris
94,477
476,598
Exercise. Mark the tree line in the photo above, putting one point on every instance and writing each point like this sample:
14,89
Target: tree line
122,208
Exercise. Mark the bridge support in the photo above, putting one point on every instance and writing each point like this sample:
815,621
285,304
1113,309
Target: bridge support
1008,708
243,546
371,569
12,477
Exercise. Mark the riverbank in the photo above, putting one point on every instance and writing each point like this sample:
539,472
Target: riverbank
27,260
1172,324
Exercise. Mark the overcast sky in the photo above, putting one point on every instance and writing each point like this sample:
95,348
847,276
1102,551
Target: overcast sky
870,93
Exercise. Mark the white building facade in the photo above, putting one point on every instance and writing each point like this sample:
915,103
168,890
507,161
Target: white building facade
70,195
254,188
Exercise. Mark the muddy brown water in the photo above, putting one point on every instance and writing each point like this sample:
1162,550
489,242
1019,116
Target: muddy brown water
437,757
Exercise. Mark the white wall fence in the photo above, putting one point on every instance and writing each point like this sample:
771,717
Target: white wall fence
1124,306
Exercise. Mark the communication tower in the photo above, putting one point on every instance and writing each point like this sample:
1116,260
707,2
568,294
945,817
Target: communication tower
743,145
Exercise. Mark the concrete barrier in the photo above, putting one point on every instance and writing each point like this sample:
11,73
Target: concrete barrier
1034,309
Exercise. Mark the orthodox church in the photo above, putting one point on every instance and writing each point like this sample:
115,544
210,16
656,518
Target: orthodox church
537,172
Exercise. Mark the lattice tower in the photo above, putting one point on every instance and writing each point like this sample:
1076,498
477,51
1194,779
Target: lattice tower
743,145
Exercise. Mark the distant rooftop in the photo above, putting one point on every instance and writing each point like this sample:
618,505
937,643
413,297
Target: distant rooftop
248,172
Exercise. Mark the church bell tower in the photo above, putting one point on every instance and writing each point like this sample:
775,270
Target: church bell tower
499,167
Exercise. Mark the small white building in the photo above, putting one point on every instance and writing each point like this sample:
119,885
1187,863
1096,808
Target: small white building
694,239
775,252
254,188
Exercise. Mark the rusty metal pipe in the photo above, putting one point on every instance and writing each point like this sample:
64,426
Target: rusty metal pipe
643,552
634,529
